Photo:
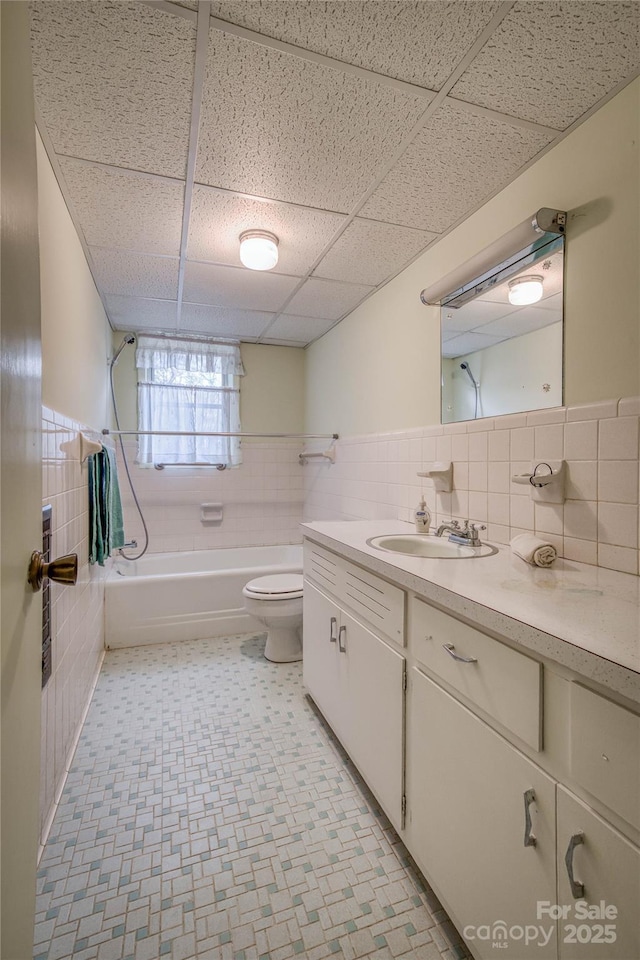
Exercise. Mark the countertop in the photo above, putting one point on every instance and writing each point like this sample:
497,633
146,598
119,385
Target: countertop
583,617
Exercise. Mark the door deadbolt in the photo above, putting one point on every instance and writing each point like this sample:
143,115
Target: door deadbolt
61,570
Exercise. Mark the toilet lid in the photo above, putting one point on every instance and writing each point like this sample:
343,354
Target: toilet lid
277,585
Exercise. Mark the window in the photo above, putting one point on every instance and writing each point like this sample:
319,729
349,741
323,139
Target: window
188,386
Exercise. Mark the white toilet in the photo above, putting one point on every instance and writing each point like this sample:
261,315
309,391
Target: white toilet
276,601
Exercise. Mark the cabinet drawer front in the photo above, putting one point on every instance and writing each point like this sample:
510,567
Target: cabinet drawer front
379,603
504,683
322,567
605,751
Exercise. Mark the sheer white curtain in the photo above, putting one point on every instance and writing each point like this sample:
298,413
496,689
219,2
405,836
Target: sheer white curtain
188,386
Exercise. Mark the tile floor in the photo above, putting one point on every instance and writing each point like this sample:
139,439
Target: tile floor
210,813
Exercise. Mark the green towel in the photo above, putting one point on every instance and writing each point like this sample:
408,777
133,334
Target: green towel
114,505
106,531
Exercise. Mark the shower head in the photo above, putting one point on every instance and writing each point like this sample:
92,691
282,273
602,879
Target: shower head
465,366
127,340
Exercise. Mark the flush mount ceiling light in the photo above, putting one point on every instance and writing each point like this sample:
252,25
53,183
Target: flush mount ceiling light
525,290
258,249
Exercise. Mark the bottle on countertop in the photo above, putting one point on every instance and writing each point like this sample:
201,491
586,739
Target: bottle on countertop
422,517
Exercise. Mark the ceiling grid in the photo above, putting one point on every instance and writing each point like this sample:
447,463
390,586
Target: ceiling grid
358,133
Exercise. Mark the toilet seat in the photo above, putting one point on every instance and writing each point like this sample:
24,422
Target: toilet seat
279,586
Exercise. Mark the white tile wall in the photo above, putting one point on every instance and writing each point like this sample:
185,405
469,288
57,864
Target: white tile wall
77,619
375,477
261,500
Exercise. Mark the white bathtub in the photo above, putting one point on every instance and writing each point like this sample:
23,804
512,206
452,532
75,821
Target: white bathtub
188,596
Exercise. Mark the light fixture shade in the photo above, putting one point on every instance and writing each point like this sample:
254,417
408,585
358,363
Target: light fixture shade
258,249
525,290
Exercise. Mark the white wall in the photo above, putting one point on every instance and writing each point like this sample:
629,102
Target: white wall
76,335
379,369
376,477
511,374
76,340
272,390
77,618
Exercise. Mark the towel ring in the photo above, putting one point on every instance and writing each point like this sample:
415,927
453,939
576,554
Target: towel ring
532,478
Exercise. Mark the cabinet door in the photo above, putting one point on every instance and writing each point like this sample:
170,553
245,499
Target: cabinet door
320,665
375,708
608,867
468,806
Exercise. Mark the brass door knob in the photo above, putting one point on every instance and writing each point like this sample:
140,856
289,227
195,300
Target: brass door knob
61,570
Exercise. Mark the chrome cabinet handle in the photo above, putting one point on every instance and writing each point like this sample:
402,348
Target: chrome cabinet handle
332,634
577,888
343,631
529,838
451,651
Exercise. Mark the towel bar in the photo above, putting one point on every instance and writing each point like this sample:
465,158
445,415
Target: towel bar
329,454
196,463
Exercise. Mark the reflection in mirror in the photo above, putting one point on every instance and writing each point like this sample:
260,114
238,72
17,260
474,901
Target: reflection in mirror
500,355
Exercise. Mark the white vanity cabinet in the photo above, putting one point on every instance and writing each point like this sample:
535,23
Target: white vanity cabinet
356,677
521,777
481,824
480,784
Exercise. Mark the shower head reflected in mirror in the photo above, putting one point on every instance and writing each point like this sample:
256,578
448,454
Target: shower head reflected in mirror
465,366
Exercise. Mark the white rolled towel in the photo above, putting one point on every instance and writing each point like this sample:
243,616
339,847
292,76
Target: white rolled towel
533,550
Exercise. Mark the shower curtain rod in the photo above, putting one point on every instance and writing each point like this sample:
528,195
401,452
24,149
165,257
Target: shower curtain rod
198,433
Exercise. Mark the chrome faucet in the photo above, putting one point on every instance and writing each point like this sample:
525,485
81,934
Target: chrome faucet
454,527
468,535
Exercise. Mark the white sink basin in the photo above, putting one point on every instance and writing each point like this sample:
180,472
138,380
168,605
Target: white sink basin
423,545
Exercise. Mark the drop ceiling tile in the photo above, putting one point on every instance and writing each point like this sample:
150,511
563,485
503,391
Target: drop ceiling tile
456,161
116,209
282,127
327,299
236,288
218,219
223,321
553,302
468,343
522,321
551,62
299,329
370,252
471,315
383,37
135,313
113,82
135,275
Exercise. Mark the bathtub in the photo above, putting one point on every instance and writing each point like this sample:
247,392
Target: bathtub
188,596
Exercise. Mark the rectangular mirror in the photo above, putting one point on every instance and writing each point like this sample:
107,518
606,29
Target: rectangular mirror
502,351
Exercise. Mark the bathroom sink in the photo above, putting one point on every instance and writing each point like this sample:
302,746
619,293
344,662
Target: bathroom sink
421,545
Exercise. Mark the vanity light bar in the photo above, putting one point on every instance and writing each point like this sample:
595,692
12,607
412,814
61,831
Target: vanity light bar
548,244
545,221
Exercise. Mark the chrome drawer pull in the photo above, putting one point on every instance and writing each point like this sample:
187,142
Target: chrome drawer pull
342,632
529,838
577,888
451,651
332,634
